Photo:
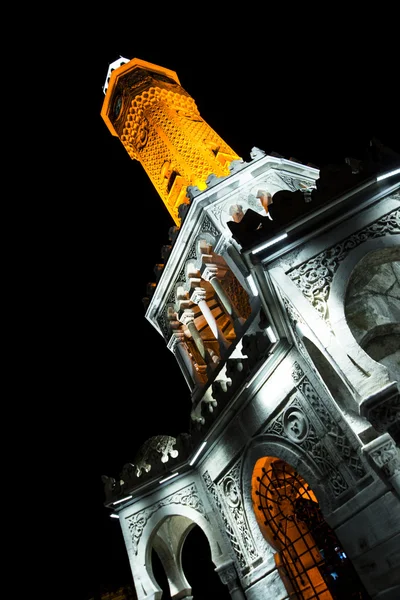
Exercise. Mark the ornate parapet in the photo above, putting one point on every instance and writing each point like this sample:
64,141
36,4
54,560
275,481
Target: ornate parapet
382,410
152,460
384,457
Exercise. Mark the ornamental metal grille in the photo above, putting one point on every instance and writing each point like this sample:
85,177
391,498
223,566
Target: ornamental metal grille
310,558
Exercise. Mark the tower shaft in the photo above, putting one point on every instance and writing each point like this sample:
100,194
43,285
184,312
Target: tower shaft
160,125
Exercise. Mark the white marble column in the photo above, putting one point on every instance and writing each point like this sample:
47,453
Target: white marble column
209,272
186,316
183,357
198,296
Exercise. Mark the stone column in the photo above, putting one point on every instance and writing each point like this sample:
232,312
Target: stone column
229,577
209,272
198,296
192,376
186,316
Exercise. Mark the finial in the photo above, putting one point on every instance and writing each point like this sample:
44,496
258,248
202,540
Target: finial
112,66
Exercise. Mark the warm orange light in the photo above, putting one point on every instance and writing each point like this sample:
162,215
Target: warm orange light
298,558
160,126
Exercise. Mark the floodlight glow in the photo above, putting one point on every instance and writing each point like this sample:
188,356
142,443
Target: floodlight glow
271,243
271,334
252,285
168,478
122,500
386,175
114,516
199,451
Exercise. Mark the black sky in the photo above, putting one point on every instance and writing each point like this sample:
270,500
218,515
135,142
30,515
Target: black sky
317,93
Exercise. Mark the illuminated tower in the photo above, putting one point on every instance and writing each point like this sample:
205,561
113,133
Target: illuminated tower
159,125
279,299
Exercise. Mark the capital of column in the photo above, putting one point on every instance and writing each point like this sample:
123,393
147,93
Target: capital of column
186,316
382,409
209,272
198,295
227,572
384,457
179,336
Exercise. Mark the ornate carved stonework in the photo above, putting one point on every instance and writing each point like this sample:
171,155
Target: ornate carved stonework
228,500
229,488
227,574
187,496
294,183
315,427
295,424
383,408
207,229
157,448
228,527
313,446
315,276
384,457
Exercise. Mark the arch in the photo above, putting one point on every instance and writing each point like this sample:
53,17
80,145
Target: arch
270,445
372,307
287,500
373,251
173,522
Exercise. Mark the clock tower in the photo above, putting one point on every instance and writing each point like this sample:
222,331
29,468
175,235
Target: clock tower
159,125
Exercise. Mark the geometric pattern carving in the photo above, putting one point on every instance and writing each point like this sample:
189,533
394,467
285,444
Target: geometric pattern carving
187,496
336,433
228,575
313,446
310,424
229,486
315,276
228,527
229,503
384,453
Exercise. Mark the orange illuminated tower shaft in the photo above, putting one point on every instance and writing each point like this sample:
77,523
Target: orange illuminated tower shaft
160,126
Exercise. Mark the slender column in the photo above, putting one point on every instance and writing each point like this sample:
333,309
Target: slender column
229,577
198,296
186,316
209,272
192,376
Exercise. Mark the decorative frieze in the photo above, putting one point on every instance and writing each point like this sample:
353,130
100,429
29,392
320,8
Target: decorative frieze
187,496
228,500
308,422
314,277
230,488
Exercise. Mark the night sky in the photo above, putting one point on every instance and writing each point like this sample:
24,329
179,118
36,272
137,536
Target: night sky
290,88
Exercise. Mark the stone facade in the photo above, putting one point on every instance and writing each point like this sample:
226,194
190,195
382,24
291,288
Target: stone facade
286,330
